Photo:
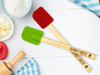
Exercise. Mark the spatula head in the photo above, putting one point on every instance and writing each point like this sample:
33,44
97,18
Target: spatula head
32,35
42,17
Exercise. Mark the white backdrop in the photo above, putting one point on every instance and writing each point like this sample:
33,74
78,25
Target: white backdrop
80,27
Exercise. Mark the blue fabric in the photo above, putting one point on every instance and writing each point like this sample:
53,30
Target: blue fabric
92,5
30,68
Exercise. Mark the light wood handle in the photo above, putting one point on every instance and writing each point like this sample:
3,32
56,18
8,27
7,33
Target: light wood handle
18,57
82,62
57,34
77,56
68,48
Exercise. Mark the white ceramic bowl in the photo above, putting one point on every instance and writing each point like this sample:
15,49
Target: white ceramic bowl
5,11
9,35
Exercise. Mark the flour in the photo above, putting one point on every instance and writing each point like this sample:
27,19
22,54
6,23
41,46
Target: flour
16,7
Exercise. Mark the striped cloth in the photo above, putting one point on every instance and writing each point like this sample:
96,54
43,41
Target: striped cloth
92,5
30,68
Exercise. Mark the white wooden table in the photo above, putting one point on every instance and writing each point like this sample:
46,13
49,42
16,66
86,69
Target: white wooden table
80,27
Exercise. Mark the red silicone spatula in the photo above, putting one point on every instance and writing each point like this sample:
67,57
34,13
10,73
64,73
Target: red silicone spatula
45,20
42,17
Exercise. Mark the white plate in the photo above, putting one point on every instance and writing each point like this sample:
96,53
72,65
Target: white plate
7,37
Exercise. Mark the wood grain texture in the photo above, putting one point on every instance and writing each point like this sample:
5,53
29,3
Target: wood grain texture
18,57
4,70
55,5
57,34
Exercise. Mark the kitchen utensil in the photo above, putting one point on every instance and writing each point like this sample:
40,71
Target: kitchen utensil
77,56
42,17
5,68
35,36
44,20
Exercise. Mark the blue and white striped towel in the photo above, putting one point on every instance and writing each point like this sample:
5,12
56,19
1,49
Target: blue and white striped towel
92,5
30,68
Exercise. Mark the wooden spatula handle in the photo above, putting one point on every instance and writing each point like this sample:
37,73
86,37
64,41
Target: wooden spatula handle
57,34
68,48
18,57
82,62
60,37
63,40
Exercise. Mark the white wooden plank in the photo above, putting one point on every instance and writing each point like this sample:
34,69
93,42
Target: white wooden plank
66,65
61,66
54,4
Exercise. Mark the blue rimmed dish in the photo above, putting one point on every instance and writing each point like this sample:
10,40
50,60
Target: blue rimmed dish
12,16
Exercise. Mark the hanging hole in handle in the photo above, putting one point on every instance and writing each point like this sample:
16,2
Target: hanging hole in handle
86,66
89,55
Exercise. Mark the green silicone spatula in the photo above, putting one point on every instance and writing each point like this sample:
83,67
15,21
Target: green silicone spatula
32,35
35,36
